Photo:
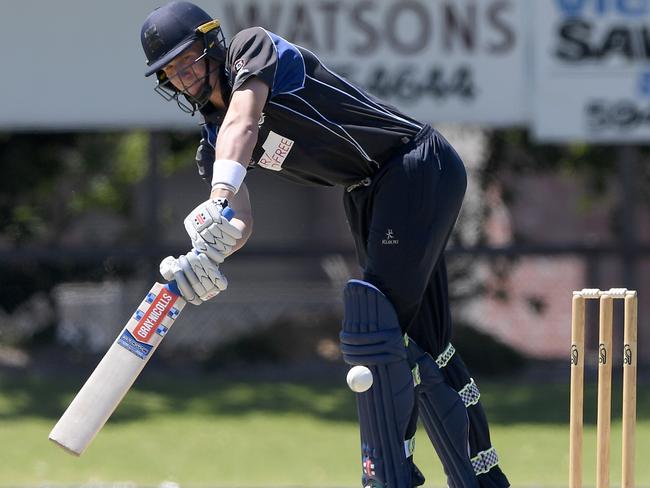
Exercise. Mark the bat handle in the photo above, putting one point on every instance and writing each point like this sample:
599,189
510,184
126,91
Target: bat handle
228,213
173,287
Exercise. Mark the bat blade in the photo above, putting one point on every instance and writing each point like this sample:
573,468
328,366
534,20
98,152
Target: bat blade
117,371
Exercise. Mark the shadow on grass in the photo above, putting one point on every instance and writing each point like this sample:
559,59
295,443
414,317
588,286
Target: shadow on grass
29,396
506,402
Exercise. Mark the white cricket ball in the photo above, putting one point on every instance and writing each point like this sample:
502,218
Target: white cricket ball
359,379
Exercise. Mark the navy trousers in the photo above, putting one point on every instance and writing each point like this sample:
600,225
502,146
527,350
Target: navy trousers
401,223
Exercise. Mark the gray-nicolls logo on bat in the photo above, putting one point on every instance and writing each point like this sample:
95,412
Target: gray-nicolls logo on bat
575,355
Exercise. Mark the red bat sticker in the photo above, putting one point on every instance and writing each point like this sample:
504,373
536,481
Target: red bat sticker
154,315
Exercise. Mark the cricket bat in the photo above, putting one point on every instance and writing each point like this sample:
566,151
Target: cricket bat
118,369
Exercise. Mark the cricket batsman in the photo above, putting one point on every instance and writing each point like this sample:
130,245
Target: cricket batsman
273,105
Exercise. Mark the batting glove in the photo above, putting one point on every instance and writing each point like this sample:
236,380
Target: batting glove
198,278
210,231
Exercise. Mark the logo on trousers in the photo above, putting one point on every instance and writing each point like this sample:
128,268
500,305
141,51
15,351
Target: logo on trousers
390,239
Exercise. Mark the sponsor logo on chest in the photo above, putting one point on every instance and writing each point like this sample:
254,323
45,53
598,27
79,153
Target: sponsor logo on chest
276,149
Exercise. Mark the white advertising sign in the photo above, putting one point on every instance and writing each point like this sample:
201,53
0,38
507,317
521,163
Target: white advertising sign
592,70
438,60
77,64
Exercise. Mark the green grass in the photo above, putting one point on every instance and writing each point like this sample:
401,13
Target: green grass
207,432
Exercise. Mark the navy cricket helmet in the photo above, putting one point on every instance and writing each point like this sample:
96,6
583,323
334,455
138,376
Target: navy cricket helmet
167,32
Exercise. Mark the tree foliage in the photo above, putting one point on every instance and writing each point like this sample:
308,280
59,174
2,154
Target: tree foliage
51,179
513,152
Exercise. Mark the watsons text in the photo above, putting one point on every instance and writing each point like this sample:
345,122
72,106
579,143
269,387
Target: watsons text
363,27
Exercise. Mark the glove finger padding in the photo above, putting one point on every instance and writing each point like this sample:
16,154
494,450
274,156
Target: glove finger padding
215,275
222,231
215,255
194,272
206,271
204,275
170,269
198,278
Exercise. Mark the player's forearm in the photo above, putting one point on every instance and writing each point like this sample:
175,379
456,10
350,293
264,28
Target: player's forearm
236,140
235,144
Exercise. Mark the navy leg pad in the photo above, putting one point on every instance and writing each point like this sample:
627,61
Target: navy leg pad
372,337
445,419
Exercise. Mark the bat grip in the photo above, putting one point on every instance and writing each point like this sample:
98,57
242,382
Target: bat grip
173,287
228,213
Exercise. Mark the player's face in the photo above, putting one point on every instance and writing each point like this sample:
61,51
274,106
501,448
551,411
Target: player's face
187,71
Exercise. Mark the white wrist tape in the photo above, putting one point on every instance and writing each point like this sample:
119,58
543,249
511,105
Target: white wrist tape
228,172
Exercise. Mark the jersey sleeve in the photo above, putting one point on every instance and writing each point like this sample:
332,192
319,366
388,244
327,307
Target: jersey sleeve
206,152
275,61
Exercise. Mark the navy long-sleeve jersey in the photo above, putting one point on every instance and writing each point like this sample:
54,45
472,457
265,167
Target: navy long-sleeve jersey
316,127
